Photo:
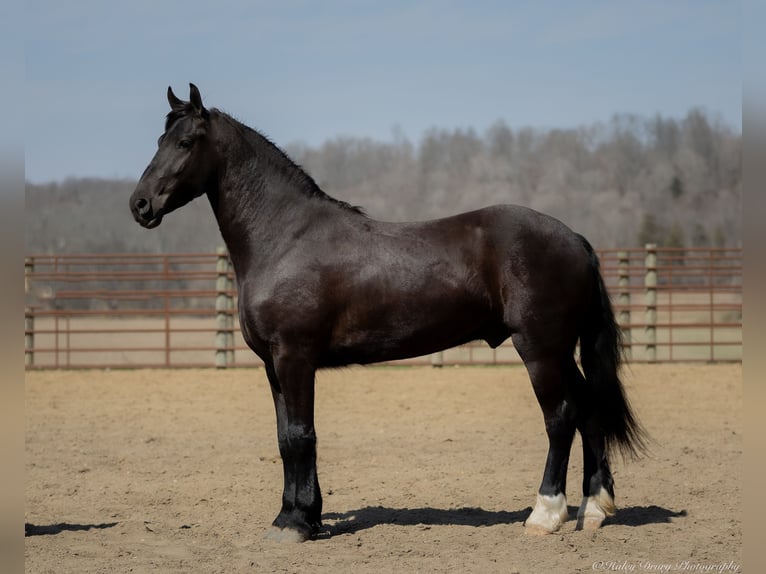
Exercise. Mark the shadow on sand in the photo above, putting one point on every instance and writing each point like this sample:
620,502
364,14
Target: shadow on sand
336,523
48,529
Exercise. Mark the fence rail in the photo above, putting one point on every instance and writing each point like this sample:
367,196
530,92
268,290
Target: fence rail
179,310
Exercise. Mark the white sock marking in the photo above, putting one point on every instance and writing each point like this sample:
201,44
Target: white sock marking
550,512
594,509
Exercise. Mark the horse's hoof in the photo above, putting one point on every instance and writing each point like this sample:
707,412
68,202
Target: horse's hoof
537,530
287,535
549,514
592,522
594,510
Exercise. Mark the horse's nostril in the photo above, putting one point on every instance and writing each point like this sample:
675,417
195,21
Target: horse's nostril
142,206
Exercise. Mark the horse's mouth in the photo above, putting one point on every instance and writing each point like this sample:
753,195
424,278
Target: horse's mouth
152,223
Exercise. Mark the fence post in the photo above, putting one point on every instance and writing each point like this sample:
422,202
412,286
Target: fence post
437,359
623,286
29,316
650,285
222,309
229,313
166,307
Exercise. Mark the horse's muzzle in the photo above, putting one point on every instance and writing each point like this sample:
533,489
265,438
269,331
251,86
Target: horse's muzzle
144,214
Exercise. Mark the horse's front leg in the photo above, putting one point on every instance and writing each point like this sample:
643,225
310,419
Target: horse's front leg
292,387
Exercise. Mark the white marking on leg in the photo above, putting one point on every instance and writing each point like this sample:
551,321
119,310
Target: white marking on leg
594,510
289,535
549,514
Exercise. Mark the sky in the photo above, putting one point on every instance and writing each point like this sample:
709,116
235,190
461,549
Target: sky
310,71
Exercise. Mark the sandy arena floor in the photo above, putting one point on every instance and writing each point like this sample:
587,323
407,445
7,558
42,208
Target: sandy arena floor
422,470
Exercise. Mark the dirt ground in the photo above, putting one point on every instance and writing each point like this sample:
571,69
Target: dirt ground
422,470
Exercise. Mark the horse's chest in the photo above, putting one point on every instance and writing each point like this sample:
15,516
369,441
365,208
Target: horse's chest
270,313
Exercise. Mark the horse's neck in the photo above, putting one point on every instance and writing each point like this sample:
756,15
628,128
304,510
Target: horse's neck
255,202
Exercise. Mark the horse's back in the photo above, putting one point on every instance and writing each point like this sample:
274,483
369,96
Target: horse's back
527,248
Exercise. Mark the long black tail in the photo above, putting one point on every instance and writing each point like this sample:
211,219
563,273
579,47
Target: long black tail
601,354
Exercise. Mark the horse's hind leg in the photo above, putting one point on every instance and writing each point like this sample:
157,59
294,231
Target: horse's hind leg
292,387
550,382
597,485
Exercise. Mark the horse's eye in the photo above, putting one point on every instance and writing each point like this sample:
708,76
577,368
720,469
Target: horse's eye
185,144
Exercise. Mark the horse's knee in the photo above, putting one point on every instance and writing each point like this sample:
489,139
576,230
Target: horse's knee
300,440
297,438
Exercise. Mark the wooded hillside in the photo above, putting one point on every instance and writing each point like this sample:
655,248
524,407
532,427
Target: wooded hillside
675,182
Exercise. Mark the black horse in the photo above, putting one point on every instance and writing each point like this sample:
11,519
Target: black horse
322,285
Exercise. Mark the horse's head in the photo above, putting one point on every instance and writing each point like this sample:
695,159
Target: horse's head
183,165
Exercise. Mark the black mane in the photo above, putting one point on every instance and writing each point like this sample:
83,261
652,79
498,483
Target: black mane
284,164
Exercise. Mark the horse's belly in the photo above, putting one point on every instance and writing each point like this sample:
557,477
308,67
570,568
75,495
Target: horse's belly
408,331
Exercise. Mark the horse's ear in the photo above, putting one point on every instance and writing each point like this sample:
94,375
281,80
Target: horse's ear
175,103
196,99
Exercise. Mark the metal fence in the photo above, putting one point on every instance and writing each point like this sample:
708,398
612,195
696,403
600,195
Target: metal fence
179,310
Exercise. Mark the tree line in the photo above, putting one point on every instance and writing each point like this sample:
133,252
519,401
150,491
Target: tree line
623,183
